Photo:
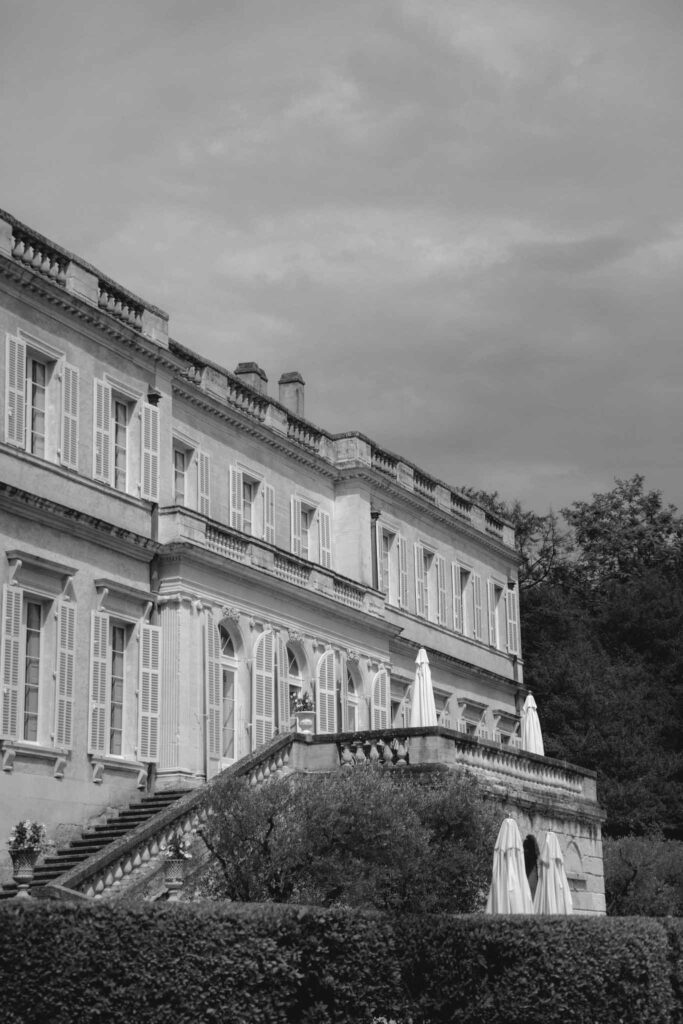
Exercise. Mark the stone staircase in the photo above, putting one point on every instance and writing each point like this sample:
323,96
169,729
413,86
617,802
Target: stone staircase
92,841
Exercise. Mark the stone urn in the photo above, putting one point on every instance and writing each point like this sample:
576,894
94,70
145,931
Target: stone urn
305,722
23,863
174,871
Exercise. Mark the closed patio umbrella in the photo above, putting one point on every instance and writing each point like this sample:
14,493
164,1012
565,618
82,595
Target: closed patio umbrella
510,892
423,709
552,895
532,740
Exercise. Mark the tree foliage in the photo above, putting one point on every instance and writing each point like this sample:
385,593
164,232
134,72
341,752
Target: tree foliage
644,875
361,838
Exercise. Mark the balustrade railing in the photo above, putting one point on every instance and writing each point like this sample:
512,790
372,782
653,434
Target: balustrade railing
120,305
460,506
291,570
385,752
303,433
424,486
348,594
33,252
226,544
494,526
384,462
247,399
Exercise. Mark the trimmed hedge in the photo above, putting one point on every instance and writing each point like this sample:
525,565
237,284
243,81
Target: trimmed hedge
266,964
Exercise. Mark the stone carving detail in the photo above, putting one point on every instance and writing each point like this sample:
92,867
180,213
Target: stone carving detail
231,612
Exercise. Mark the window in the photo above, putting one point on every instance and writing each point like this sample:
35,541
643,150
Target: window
252,505
389,546
352,722
179,481
462,600
271,707
191,476
125,454
120,425
33,624
496,613
326,695
41,401
117,678
311,532
380,704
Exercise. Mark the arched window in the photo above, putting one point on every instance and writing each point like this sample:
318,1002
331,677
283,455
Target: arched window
531,862
352,723
326,696
228,683
380,700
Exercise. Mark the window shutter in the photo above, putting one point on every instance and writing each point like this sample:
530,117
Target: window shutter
344,695
11,646
149,487
419,580
204,483
236,498
102,450
380,700
150,693
263,687
403,571
269,513
441,589
296,526
70,417
493,630
326,703
457,598
66,653
478,609
284,708
512,616
99,664
212,664
325,539
382,584
15,398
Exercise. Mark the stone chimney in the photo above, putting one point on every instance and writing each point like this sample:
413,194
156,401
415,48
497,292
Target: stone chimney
254,376
291,387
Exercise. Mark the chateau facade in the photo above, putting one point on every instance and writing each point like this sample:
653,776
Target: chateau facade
184,553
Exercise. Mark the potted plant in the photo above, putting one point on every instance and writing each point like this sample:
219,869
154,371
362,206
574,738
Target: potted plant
176,853
26,842
303,710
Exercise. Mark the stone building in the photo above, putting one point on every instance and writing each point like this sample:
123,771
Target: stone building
184,553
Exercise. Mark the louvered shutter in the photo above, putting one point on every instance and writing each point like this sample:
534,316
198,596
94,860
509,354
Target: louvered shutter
284,708
11,647
325,538
512,616
15,397
103,446
380,700
149,486
344,694
457,598
403,571
204,483
478,625
296,526
66,654
263,687
150,693
70,393
236,498
419,580
493,625
326,703
99,647
269,513
441,589
212,663
382,584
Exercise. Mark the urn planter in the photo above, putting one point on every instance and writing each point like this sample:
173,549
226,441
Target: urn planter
23,863
305,722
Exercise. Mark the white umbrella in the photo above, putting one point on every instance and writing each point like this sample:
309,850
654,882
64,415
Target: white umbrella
552,892
423,710
532,740
510,892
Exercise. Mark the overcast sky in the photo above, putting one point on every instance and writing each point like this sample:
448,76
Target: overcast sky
461,220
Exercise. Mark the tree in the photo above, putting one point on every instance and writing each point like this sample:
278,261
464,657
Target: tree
366,837
643,875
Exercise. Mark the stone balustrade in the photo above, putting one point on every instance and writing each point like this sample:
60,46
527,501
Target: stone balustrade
292,570
348,594
373,750
494,526
384,462
424,486
120,305
35,253
227,544
246,399
304,433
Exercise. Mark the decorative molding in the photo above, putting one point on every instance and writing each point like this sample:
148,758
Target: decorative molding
97,772
231,612
8,757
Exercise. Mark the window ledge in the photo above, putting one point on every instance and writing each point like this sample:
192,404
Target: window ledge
11,749
118,764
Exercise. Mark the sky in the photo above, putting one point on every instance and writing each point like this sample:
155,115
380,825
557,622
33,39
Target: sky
460,220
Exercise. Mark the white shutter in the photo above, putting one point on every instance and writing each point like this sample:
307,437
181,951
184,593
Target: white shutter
296,525
344,694
70,393
441,590
11,646
66,654
325,539
419,580
204,483
99,664
269,513
102,451
457,598
382,584
493,625
236,498
149,486
150,693
512,615
478,626
212,663
284,708
403,571
15,392
326,702
262,689
380,700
